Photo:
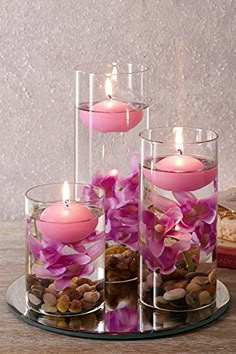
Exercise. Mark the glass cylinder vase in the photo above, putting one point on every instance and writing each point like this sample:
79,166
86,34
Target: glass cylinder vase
65,248
111,109
177,218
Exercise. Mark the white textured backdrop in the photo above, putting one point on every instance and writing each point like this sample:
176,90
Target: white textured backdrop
189,44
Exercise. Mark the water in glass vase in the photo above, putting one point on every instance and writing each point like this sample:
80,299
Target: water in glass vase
108,154
64,276
177,236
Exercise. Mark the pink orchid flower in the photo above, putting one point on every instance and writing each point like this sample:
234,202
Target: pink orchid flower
160,243
193,210
63,262
121,204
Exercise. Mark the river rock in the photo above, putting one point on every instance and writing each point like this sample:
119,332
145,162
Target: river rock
204,298
174,294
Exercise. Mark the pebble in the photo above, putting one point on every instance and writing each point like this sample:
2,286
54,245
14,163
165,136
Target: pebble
83,289
72,293
30,280
191,299
37,290
48,308
191,275
193,287
211,289
121,263
91,296
204,298
99,286
52,291
174,294
81,281
168,285
212,277
34,300
160,300
200,280
180,284
75,306
86,305
63,303
49,299
133,266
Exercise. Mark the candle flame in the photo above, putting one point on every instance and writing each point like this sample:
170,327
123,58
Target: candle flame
108,88
114,73
113,173
66,193
178,131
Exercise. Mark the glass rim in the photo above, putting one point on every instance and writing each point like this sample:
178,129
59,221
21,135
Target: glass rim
88,68
61,184
159,141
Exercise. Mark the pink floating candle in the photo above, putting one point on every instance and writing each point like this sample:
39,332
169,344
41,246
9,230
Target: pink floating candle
67,222
111,115
180,173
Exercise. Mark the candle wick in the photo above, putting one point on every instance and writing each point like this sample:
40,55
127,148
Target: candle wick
67,203
180,151
109,96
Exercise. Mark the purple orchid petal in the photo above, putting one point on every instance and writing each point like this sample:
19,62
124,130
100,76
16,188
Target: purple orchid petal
62,283
156,245
149,218
96,250
34,245
171,218
161,202
41,272
185,198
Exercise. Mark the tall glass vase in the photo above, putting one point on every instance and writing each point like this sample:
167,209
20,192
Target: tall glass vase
111,108
178,214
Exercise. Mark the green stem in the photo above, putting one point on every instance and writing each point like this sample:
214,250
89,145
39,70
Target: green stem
189,261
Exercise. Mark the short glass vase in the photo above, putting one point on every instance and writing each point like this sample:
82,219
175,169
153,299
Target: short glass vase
65,248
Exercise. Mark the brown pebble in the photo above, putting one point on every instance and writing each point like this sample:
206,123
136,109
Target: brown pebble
204,298
30,279
133,266
72,293
191,299
37,290
168,285
49,299
161,300
82,281
212,277
122,266
82,289
75,306
190,276
193,287
86,305
91,296
115,249
211,289
45,282
100,286
180,284
63,303
200,280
